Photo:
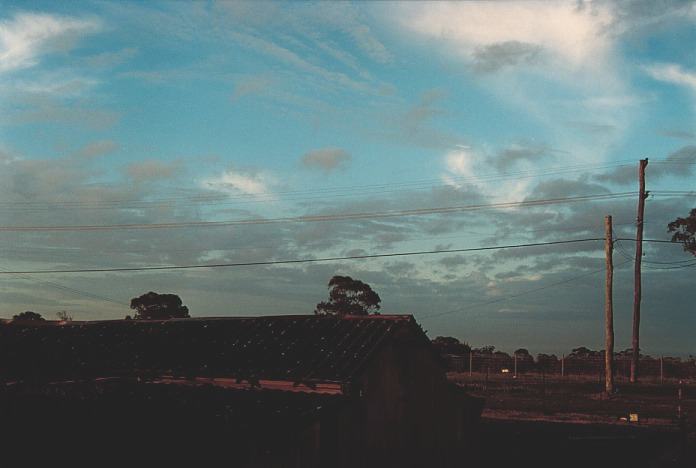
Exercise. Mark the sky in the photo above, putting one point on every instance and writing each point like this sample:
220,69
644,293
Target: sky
119,119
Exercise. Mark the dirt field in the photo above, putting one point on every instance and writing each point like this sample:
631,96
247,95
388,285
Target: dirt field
534,420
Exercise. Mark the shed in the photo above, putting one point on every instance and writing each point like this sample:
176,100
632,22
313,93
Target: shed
295,391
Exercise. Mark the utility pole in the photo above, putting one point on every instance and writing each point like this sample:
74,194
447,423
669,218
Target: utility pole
642,195
608,309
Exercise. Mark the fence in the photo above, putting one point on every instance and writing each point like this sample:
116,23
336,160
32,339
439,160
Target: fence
658,369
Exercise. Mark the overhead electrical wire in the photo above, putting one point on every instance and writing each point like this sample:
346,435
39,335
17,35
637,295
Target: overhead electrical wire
297,261
523,293
323,218
159,250
676,265
674,193
354,190
655,241
64,288
617,243
330,192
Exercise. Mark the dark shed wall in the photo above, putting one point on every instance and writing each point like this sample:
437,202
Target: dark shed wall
414,416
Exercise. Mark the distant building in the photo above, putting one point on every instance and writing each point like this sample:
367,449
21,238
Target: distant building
281,391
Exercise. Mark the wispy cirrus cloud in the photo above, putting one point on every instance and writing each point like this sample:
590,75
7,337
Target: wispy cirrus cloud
27,36
672,73
250,85
43,91
111,59
544,60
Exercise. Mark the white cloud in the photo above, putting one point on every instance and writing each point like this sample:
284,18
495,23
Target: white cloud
672,73
544,60
573,34
466,168
54,84
256,184
459,168
25,37
460,162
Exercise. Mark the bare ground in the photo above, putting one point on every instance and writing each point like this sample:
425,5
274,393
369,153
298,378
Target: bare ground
537,420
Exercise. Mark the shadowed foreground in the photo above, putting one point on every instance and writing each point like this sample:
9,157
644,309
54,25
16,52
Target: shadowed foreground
549,445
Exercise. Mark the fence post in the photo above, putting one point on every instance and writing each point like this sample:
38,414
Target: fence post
679,400
563,365
471,362
662,369
515,365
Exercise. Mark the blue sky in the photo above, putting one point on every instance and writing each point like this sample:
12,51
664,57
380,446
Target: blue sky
144,112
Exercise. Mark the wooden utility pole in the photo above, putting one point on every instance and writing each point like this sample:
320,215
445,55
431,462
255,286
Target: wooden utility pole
608,309
642,195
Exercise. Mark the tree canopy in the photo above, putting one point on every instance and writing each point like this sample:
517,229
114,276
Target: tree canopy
684,230
348,296
451,345
542,357
64,316
489,349
583,352
154,306
29,316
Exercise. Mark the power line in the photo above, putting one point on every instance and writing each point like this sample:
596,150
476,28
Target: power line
656,241
627,255
523,293
224,198
157,249
673,162
62,287
297,261
676,265
217,197
322,218
353,191
677,192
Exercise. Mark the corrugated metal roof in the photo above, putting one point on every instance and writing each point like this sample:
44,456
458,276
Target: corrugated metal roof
290,348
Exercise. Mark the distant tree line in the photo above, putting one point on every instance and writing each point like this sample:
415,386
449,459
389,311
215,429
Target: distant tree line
580,360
